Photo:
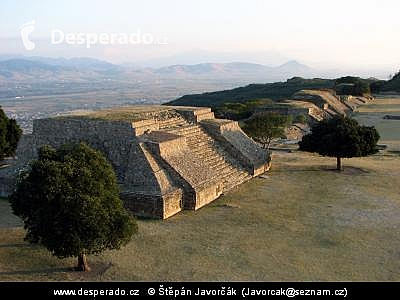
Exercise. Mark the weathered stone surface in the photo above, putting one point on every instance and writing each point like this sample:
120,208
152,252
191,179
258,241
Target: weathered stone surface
244,150
166,158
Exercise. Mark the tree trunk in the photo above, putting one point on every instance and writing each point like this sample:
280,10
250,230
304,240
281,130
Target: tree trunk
82,263
338,164
268,144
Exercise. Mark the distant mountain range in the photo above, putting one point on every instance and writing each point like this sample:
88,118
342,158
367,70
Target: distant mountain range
287,70
23,67
77,62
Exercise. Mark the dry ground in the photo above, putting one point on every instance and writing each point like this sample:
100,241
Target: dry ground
302,222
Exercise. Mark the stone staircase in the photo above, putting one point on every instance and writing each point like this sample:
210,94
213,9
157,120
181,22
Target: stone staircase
209,153
172,123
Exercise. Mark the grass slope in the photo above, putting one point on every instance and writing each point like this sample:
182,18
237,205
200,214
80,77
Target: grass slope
274,91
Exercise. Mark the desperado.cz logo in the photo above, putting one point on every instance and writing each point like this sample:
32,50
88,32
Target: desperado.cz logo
89,39
27,29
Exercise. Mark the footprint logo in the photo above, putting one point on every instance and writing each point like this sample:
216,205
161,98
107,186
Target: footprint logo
26,29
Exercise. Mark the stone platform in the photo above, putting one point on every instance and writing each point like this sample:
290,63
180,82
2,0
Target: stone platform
166,158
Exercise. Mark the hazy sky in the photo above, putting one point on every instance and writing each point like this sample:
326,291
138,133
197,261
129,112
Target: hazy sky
352,34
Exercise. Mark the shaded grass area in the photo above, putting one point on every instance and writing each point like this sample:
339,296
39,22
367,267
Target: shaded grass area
7,219
302,222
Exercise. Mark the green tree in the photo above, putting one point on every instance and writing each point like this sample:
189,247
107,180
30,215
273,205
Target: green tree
3,134
264,127
340,137
300,119
13,135
377,86
69,202
10,133
350,85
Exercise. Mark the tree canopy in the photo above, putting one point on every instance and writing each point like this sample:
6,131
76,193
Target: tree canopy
69,202
355,86
340,137
263,127
10,133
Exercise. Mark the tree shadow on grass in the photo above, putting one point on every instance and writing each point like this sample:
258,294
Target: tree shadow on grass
286,170
396,152
16,245
346,170
38,271
349,170
98,269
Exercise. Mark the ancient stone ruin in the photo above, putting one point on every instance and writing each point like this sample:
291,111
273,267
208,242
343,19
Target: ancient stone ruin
166,158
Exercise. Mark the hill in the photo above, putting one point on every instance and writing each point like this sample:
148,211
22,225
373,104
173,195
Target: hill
240,70
9,68
52,69
277,91
274,91
393,85
305,100
76,62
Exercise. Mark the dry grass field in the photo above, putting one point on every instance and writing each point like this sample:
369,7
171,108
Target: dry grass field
302,222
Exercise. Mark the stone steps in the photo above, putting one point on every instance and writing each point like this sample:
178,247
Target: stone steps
217,164
203,155
237,181
215,159
173,122
203,151
225,170
231,171
233,176
204,148
197,143
196,136
184,130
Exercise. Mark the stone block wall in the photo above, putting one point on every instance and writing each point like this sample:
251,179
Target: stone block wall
195,114
114,139
153,205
